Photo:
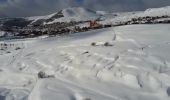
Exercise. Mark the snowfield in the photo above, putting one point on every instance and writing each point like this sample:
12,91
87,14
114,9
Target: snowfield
134,66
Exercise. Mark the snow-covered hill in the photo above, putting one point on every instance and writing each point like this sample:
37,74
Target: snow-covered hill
69,14
134,65
79,14
163,11
158,11
151,12
129,62
82,14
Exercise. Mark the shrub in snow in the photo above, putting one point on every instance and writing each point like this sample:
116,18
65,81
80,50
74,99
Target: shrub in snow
93,44
44,75
8,52
85,52
1,49
107,44
17,48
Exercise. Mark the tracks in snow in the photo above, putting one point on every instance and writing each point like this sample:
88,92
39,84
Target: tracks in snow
131,67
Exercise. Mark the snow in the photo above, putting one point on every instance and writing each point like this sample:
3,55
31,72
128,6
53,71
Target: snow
135,67
124,17
157,11
76,14
70,14
83,14
36,18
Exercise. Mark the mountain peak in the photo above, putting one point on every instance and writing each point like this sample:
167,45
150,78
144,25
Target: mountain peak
69,14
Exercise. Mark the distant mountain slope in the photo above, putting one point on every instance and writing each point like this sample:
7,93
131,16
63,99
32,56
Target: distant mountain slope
79,14
163,11
158,11
152,12
67,15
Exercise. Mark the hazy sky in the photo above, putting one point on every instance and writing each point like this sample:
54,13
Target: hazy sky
18,8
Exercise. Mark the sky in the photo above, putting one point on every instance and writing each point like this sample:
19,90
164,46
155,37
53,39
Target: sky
22,8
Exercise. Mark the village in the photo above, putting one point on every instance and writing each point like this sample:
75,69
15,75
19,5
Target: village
64,28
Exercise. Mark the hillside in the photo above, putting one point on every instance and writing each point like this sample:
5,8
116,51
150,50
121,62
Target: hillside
158,11
82,14
121,63
67,15
151,12
122,56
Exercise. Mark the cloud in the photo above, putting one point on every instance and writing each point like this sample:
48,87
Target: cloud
15,8
124,5
32,7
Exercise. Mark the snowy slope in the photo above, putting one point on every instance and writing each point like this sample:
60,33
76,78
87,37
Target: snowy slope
135,67
36,18
124,17
158,11
163,11
76,14
69,14
83,14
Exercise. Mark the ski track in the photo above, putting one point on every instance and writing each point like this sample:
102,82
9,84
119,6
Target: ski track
130,67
